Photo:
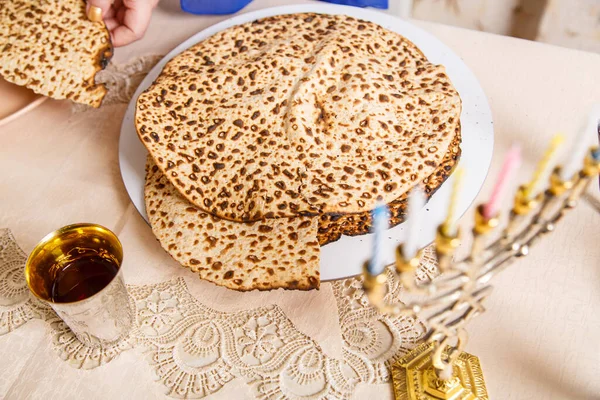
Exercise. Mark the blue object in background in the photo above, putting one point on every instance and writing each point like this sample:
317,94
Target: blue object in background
213,7
218,7
361,3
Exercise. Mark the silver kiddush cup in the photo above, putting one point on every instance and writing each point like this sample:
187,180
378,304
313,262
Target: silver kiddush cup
77,271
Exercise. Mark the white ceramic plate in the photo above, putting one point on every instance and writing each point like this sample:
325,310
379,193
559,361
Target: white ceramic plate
345,257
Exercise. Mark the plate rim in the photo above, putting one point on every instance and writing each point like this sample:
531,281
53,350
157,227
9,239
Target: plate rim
417,34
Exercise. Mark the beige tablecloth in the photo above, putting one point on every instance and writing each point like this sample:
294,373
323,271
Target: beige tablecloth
538,340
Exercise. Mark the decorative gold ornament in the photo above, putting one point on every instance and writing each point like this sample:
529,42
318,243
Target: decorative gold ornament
414,378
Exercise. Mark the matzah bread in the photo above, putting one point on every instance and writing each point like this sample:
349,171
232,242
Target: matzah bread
298,114
332,227
52,48
270,254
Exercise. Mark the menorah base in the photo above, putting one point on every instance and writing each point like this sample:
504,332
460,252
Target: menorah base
414,377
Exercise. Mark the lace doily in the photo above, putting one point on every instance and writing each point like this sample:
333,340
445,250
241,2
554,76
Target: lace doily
195,350
121,80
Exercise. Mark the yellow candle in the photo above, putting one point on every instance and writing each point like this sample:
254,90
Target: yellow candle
449,226
544,168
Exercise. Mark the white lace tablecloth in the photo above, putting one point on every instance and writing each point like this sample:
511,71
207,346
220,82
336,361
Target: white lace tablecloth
538,340
194,350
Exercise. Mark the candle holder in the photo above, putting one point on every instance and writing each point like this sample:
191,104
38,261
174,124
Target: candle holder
439,368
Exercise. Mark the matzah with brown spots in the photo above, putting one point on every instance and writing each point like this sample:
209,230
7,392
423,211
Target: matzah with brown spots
51,47
298,114
264,255
332,227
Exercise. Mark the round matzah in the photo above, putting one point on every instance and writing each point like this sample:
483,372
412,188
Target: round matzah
332,227
51,47
300,113
264,255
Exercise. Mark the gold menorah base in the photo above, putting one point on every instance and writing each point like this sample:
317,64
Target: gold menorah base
414,377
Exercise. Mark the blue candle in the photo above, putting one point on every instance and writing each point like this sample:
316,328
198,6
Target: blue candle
380,225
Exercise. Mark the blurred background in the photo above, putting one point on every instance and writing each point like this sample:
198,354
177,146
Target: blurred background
568,23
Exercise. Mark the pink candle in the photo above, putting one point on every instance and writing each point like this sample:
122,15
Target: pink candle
512,161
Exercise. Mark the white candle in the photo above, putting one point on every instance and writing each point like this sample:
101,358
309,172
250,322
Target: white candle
450,225
580,147
380,220
596,152
416,202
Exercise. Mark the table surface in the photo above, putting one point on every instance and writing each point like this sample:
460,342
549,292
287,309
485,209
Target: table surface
540,336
